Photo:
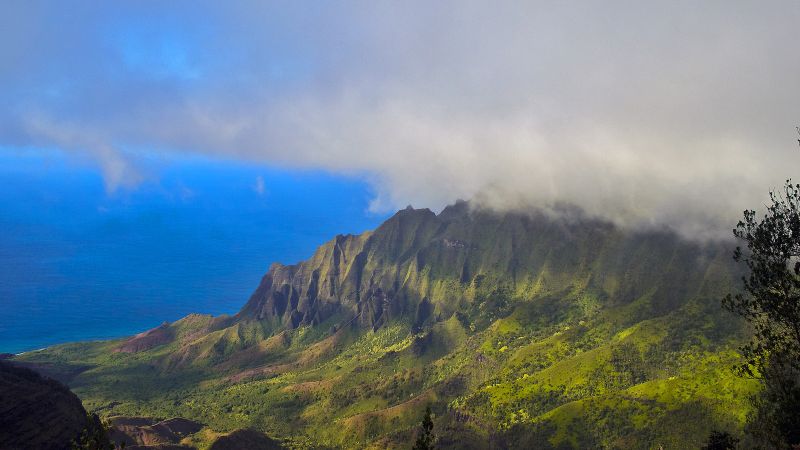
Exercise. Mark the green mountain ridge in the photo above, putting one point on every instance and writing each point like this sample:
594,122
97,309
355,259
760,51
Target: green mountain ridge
521,330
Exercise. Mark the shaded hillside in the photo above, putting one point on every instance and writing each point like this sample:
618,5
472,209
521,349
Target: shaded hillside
40,413
245,439
143,432
417,258
518,329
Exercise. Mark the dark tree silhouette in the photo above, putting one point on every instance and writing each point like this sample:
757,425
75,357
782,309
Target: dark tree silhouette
771,304
94,436
425,435
720,440
771,298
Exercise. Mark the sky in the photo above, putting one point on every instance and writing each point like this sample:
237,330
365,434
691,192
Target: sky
665,113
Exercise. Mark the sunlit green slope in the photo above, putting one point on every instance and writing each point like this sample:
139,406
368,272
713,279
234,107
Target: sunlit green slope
520,331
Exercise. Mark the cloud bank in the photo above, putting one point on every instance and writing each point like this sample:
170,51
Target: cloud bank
675,113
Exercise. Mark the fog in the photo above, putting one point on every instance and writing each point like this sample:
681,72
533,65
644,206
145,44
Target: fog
677,114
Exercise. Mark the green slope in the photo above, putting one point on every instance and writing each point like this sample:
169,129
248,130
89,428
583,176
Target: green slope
519,330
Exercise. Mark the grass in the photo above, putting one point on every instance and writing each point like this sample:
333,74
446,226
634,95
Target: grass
585,339
523,370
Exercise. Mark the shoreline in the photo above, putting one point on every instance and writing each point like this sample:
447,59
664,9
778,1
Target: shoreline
30,351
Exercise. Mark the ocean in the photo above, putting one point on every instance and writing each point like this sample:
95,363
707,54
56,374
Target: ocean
80,263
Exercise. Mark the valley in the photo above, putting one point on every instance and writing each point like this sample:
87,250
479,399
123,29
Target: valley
519,330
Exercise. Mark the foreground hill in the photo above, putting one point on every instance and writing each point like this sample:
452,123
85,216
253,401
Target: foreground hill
519,330
40,413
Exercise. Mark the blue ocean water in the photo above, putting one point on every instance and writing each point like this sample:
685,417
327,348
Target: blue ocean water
78,263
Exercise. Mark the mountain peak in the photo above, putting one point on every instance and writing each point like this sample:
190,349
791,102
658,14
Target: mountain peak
549,308
377,276
457,209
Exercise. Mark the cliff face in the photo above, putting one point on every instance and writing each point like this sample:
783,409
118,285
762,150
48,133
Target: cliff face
520,330
39,413
421,265
363,276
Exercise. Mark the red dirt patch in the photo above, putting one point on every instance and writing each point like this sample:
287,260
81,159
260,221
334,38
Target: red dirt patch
162,334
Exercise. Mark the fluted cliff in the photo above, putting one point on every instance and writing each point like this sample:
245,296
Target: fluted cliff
418,258
520,329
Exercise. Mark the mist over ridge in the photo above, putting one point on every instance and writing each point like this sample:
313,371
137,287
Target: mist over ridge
667,114
462,224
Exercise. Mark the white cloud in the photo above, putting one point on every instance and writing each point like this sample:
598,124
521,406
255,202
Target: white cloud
672,113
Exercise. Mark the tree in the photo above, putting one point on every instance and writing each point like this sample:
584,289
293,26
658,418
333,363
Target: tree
720,440
425,435
94,436
771,304
771,298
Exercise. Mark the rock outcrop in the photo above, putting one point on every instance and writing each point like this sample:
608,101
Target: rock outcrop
148,432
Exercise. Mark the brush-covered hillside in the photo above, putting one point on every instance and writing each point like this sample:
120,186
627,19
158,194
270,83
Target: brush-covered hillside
42,414
519,330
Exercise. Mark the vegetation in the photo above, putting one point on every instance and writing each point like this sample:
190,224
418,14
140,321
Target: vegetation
771,304
721,440
518,331
38,412
425,437
94,436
